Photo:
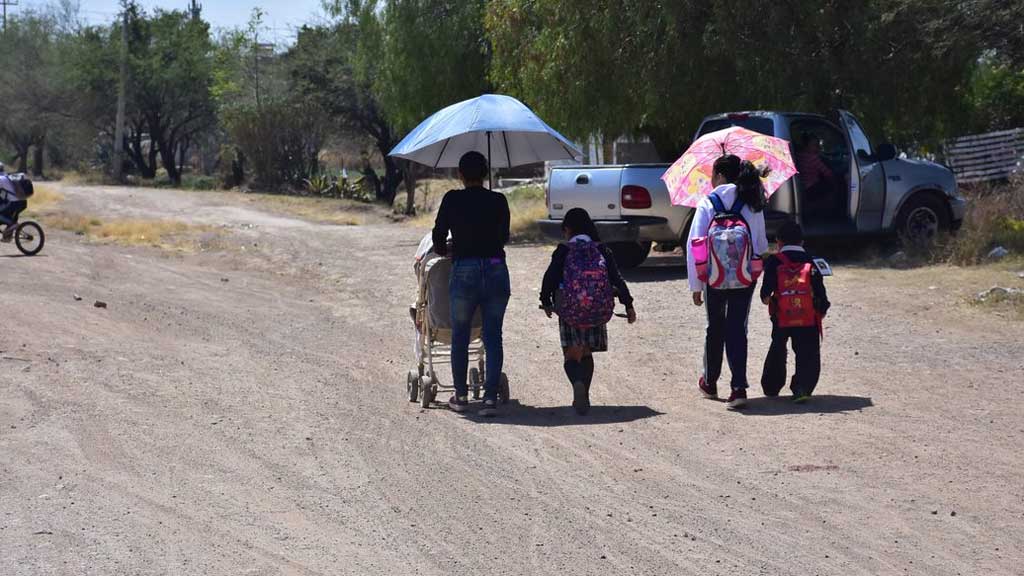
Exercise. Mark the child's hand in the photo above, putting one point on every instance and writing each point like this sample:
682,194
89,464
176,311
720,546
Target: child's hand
767,300
698,298
631,315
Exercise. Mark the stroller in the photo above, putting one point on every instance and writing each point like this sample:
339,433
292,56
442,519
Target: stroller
432,318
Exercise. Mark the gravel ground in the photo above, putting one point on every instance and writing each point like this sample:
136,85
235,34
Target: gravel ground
242,411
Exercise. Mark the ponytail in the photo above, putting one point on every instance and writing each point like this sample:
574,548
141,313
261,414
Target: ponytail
749,187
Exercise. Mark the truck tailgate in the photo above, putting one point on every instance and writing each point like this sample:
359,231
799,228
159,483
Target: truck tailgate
595,189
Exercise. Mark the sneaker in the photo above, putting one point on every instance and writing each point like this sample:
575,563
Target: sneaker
737,400
708,391
458,403
801,398
580,398
489,408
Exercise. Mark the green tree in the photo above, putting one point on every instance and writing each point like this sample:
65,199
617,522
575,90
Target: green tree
616,67
433,53
334,66
277,129
997,95
35,97
171,71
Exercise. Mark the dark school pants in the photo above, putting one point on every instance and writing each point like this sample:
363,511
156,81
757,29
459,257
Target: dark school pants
806,344
728,311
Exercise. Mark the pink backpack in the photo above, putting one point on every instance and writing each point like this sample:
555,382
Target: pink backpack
725,256
587,298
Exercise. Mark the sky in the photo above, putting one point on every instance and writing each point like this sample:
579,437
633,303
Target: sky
281,17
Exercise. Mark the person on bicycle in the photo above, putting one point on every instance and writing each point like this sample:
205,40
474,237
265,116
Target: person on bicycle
13,201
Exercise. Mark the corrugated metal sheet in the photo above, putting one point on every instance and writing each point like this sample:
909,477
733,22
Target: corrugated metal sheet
986,157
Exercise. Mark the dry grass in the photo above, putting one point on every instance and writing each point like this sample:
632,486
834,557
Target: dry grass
88,179
321,210
526,204
164,234
429,193
45,199
995,217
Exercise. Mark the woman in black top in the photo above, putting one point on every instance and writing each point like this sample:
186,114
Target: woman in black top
579,344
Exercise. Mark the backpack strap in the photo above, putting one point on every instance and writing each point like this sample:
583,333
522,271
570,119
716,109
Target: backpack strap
738,205
716,203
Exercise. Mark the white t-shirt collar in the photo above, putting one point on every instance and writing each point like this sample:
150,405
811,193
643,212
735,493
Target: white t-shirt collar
792,248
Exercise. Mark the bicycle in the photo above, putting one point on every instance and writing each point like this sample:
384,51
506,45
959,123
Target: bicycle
29,237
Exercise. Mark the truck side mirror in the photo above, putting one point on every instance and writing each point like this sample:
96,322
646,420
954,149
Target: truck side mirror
886,151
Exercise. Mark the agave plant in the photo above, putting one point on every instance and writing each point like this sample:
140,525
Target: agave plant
320,185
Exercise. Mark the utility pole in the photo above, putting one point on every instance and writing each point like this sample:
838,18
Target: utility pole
5,4
121,97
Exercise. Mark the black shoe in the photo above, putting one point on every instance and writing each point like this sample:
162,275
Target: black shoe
489,407
458,403
580,398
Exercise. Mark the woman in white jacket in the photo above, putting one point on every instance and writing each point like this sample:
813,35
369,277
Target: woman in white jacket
728,309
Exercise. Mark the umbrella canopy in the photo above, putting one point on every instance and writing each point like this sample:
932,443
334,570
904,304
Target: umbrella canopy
500,127
689,179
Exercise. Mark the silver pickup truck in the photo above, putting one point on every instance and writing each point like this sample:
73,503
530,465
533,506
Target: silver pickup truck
868,191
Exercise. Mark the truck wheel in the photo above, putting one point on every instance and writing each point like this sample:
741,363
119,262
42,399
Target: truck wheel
630,254
922,220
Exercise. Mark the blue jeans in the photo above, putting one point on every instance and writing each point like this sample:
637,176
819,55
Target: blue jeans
483,283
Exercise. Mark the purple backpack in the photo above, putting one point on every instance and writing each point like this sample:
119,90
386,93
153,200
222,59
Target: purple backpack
587,299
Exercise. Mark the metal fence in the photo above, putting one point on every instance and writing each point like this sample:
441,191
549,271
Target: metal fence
986,157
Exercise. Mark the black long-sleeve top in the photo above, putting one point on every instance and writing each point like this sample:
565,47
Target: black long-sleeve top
771,279
478,220
556,271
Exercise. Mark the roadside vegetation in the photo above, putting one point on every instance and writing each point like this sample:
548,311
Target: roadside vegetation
526,204
224,109
994,219
164,234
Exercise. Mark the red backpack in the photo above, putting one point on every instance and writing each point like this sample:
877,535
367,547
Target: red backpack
794,298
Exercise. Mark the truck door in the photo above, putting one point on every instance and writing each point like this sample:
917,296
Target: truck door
867,177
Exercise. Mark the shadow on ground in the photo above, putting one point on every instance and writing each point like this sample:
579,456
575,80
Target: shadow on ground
516,414
824,404
658,269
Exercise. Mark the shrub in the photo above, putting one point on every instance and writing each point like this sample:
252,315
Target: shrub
995,217
280,141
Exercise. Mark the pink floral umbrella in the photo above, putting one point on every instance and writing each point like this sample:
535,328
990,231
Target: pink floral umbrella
689,178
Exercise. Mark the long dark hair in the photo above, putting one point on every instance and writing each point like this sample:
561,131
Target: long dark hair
747,179
577,221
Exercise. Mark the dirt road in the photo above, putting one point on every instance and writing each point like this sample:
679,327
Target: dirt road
242,411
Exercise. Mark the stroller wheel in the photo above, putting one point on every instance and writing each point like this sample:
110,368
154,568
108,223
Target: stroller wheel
427,391
504,392
475,381
412,385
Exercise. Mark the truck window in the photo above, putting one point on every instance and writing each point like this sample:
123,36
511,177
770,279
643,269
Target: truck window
857,135
760,124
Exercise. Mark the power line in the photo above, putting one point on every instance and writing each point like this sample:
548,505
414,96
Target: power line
5,4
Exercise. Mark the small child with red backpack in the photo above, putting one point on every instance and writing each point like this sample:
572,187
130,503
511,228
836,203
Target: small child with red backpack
727,238
580,285
794,291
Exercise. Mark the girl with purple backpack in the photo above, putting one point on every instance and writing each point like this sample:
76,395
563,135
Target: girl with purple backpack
727,239
580,285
